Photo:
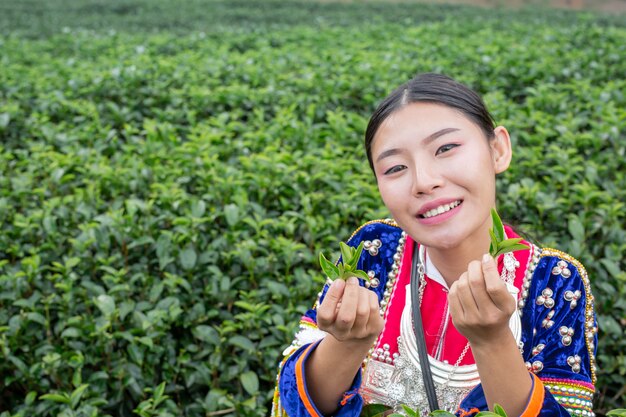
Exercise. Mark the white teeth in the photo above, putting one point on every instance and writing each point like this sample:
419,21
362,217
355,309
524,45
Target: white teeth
441,209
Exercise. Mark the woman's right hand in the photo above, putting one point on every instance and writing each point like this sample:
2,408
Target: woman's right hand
350,313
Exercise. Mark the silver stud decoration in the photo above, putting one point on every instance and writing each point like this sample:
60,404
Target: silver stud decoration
372,246
548,322
566,335
545,299
537,366
574,362
590,333
373,282
562,269
383,355
572,297
537,349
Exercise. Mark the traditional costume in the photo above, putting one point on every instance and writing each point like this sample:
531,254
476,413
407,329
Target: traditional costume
554,325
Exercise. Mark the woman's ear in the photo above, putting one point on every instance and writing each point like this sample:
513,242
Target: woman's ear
501,149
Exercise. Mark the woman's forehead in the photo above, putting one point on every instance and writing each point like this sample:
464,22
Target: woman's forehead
421,120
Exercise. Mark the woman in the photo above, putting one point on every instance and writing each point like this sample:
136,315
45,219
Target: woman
518,331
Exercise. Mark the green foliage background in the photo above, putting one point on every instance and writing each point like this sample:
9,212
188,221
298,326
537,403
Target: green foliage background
169,171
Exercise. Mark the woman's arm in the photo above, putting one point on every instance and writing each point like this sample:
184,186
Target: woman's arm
558,339
481,306
350,314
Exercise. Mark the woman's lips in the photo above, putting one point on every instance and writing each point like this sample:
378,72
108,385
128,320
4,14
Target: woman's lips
439,218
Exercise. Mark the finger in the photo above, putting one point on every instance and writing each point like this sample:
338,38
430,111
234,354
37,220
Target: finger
375,322
465,297
374,305
362,313
327,311
495,287
456,309
477,286
347,311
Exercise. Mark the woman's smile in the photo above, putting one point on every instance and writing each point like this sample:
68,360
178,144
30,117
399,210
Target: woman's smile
440,213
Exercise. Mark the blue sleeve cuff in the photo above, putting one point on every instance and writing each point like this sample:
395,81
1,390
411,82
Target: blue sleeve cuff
295,398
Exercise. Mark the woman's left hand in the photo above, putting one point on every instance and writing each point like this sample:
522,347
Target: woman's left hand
480,304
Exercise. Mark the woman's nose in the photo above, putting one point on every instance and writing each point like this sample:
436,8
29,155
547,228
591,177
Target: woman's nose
425,180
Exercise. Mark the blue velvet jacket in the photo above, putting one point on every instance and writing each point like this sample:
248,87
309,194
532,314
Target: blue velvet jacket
559,335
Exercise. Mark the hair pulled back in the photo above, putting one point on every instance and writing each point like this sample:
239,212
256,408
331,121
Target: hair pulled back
432,88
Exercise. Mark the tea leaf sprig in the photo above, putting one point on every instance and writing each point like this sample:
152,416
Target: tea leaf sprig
499,245
348,265
380,410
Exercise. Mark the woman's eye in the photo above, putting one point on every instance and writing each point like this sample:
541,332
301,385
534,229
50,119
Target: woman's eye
446,148
394,169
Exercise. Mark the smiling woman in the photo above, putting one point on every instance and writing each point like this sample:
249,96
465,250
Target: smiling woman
519,330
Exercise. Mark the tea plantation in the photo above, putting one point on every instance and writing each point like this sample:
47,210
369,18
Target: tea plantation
169,172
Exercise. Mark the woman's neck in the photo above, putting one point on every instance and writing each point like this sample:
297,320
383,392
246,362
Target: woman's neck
452,262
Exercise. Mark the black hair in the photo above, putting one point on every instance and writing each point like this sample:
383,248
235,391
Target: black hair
433,88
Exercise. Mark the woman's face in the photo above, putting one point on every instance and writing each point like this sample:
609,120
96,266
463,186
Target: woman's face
436,173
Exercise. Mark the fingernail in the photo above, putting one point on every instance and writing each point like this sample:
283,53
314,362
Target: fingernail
486,258
353,280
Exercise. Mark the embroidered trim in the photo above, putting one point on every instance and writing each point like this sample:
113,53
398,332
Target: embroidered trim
590,329
467,413
570,383
390,289
536,398
277,410
388,222
533,260
301,384
346,398
575,396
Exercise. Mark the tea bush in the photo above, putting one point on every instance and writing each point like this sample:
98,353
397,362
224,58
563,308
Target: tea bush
169,172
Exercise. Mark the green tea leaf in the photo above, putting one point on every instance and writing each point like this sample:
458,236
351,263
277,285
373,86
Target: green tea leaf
57,398
509,242
409,411
106,304
498,227
441,413
188,258
346,253
497,408
357,255
158,391
30,398
510,249
77,394
328,267
576,228
361,274
493,247
373,410
250,382
231,212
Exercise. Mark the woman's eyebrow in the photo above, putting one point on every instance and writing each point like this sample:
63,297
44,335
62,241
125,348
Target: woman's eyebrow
427,140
